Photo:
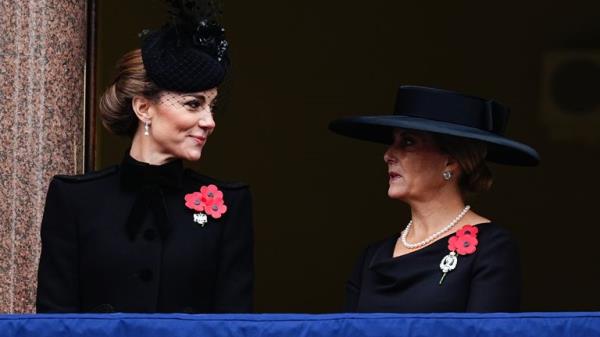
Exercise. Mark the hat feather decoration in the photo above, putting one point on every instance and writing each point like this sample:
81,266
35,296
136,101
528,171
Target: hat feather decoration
189,53
199,19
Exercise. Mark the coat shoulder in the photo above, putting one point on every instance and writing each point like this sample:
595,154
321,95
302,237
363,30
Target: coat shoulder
204,179
492,232
90,176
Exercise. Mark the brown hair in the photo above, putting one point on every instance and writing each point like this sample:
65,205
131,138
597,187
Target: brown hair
115,107
470,154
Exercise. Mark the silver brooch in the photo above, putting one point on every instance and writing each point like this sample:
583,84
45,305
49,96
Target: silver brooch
200,218
448,264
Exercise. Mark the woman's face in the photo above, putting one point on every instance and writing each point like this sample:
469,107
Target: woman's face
415,166
182,122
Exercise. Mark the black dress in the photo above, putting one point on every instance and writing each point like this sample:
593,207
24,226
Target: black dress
487,280
122,240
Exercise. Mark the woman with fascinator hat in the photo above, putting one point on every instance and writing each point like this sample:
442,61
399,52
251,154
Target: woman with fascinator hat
447,258
148,235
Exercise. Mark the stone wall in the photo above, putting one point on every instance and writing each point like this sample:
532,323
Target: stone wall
42,77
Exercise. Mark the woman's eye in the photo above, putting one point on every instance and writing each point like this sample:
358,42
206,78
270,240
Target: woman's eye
407,142
195,104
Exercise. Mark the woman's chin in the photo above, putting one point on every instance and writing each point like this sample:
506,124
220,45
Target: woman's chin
193,155
395,193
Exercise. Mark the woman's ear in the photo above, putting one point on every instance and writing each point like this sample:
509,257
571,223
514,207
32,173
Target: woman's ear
451,169
452,164
141,107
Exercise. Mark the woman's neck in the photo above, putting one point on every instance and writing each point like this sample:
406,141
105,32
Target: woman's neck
430,216
143,149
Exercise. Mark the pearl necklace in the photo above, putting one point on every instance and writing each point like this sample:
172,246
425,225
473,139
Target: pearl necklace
432,236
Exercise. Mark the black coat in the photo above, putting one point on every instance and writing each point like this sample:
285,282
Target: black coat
487,280
122,240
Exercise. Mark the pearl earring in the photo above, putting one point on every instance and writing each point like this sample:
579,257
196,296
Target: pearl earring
447,175
146,128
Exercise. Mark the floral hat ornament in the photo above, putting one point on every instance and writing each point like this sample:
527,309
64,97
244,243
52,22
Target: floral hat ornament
464,242
189,53
208,201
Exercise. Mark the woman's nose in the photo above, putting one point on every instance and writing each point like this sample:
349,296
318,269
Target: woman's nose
388,157
207,121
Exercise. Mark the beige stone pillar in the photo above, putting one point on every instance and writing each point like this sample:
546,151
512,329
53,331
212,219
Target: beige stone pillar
42,62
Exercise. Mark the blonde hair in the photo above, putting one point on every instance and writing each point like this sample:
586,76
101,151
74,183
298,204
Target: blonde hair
115,108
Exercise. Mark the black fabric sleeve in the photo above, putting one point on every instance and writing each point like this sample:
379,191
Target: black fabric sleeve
353,284
235,277
58,285
496,282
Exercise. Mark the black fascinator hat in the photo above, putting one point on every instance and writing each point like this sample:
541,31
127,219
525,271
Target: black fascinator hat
443,112
188,54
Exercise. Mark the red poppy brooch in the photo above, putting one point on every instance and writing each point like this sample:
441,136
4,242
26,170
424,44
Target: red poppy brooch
464,242
209,201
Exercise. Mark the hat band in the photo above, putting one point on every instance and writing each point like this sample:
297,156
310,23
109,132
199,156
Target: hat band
484,115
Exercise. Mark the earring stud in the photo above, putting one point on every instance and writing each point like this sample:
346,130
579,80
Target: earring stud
447,175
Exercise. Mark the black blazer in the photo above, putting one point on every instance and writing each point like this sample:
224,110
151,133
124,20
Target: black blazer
122,240
488,280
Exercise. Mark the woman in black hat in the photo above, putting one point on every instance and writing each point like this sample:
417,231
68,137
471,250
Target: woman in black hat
148,235
447,258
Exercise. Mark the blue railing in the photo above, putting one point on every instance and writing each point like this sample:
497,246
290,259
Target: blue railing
583,324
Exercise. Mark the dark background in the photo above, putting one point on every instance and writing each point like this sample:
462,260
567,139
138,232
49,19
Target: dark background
321,198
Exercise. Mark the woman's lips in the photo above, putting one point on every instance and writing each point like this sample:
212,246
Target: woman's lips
393,176
199,139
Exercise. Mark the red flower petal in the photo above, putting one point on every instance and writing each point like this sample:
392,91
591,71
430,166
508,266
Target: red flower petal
210,192
222,211
467,230
212,201
452,243
204,189
466,244
216,209
194,201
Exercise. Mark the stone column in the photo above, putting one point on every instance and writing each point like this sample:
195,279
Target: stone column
42,72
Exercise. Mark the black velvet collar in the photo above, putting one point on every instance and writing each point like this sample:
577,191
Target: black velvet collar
136,174
149,181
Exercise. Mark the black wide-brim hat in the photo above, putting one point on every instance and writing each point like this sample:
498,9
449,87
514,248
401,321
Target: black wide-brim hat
447,113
